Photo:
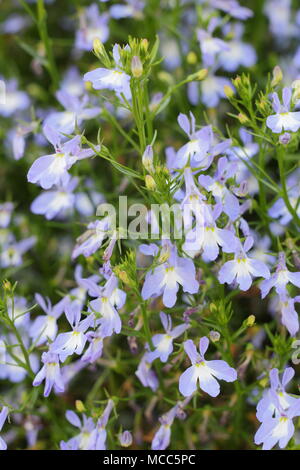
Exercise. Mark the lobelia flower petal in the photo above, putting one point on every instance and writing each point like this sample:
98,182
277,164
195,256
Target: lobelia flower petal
188,381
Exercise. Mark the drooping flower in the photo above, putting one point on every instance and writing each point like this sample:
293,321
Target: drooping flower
284,119
206,372
101,426
284,306
50,372
145,374
162,437
242,268
163,343
94,351
57,202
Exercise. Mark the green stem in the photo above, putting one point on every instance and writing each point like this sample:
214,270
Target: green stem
285,195
43,32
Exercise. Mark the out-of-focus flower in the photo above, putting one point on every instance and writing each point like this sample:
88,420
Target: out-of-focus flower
92,25
3,416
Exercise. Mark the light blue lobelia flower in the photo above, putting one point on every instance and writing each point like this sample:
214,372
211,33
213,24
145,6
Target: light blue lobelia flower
74,341
50,170
50,372
165,279
86,438
280,279
206,372
267,407
44,327
217,185
201,148
279,428
162,437
93,238
283,119
109,298
242,268
147,375
163,343
114,79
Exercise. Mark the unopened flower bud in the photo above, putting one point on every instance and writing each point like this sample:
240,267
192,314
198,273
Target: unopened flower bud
243,118
296,92
144,44
150,183
202,74
285,138
80,406
98,47
122,275
237,81
136,66
147,158
6,285
125,438
228,91
277,76
191,58
250,320
214,336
